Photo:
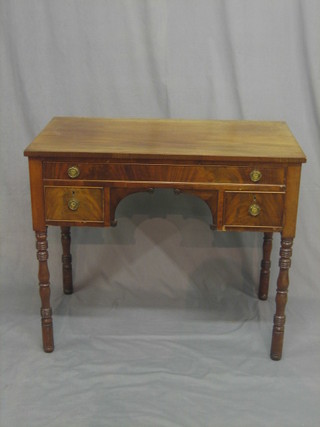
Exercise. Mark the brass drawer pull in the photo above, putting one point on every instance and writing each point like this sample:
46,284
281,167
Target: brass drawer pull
254,209
255,175
73,172
73,204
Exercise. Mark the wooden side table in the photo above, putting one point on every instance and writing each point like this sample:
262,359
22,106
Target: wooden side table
248,173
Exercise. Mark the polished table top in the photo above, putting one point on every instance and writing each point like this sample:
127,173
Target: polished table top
164,139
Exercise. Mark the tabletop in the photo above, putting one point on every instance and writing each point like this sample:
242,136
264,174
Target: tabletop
222,140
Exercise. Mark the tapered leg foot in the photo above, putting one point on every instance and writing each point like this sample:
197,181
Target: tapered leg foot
281,298
66,261
265,266
44,290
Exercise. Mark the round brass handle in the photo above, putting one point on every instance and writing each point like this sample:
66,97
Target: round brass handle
255,175
73,204
254,209
73,172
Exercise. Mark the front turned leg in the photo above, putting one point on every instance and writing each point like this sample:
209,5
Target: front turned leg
44,290
281,298
66,261
265,266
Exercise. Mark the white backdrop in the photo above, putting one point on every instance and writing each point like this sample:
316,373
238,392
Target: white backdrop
164,328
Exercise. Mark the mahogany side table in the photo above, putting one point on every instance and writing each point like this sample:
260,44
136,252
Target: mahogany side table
247,172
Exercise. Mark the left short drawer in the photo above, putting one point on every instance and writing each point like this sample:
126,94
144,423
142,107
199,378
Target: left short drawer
74,204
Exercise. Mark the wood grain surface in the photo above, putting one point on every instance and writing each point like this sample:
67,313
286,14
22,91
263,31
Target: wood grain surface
169,139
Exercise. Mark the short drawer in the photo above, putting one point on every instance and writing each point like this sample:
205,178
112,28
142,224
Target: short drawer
253,209
76,204
175,173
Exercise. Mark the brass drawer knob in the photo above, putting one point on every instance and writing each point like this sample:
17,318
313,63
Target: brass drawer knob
254,209
73,172
255,175
73,204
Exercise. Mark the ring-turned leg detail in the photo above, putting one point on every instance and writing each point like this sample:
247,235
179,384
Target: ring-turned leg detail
66,261
281,298
44,290
265,266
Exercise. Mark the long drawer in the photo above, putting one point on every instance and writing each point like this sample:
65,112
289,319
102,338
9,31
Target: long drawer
174,173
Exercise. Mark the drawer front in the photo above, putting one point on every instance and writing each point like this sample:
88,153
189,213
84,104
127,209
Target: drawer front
74,204
253,209
174,173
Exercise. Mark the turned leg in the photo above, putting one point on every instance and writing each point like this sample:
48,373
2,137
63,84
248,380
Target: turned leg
281,298
66,261
265,266
44,290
